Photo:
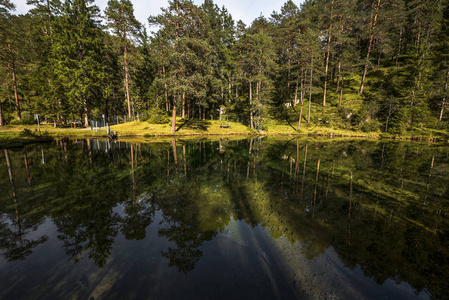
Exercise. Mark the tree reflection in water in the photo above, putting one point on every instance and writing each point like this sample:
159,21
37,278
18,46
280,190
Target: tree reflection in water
381,206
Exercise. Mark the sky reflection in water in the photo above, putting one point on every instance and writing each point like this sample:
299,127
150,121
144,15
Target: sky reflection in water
252,219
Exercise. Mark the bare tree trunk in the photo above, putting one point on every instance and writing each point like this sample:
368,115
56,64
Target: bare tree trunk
183,105
380,54
341,91
302,103
295,101
338,77
310,91
370,44
1,115
86,113
173,118
444,97
327,56
399,47
125,60
106,107
12,66
250,105
389,116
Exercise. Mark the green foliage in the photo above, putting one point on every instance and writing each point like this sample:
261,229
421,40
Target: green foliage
60,62
155,115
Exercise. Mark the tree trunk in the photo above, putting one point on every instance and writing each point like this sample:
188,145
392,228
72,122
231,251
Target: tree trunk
106,107
442,104
125,60
327,56
338,77
183,105
165,90
250,105
380,54
302,105
370,44
86,113
389,116
341,91
173,118
310,91
399,47
295,101
1,115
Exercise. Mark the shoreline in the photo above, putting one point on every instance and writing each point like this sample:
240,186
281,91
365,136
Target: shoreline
17,141
21,135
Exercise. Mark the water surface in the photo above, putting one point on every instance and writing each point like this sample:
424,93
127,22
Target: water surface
245,219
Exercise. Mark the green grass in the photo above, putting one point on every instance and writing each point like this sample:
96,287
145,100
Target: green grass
14,139
199,128
183,128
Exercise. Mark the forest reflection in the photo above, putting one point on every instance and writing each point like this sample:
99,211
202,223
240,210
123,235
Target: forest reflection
381,206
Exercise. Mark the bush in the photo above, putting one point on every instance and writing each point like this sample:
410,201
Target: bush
155,115
27,119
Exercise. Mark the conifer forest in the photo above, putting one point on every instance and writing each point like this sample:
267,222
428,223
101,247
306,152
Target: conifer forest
365,65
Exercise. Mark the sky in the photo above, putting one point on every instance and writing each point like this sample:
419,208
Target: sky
245,10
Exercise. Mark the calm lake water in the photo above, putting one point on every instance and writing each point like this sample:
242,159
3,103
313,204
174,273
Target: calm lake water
225,219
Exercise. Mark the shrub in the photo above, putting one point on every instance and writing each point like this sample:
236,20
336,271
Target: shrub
155,115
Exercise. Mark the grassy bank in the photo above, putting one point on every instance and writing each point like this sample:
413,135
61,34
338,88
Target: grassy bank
14,139
10,134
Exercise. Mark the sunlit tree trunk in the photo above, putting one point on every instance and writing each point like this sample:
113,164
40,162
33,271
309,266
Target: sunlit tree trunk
183,115
86,113
173,118
125,61
328,54
443,103
370,45
250,105
12,67
310,91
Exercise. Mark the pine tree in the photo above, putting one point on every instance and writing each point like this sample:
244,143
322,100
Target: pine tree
120,17
183,26
77,57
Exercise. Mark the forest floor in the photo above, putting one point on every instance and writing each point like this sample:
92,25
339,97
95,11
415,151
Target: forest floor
17,134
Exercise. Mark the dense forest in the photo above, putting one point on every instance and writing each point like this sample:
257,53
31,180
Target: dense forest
371,65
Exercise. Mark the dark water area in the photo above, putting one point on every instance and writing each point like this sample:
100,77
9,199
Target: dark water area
246,219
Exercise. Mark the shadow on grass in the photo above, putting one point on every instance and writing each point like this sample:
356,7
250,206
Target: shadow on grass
194,124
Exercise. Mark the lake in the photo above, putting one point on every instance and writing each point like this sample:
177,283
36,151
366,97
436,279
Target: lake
263,218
